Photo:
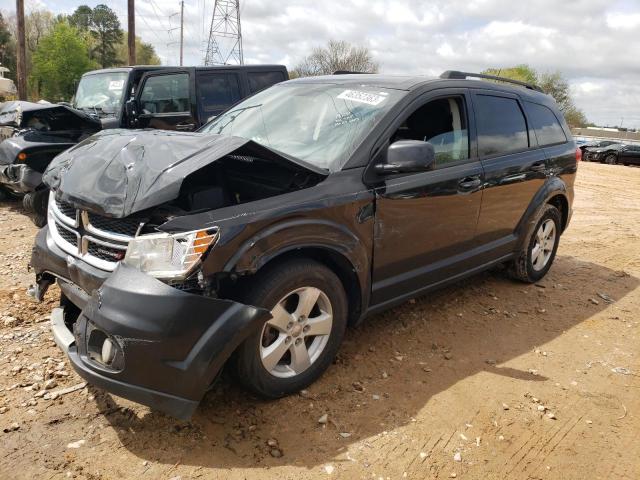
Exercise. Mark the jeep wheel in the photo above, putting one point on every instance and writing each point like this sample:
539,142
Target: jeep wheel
35,205
539,250
309,317
610,159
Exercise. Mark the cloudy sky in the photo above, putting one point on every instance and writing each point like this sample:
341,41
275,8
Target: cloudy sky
594,43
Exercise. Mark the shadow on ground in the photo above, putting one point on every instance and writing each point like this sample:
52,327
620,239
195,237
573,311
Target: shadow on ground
475,326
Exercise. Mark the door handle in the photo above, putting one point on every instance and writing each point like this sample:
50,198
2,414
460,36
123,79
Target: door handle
469,183
185,126
538,167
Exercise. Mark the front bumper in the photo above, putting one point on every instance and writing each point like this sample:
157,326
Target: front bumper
172,343
19,178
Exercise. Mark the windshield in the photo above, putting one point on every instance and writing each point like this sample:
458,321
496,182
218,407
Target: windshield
101,92
319,123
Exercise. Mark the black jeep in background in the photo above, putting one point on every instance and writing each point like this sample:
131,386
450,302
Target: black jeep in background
301,210
168,98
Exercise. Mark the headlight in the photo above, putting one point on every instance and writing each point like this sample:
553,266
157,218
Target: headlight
169,256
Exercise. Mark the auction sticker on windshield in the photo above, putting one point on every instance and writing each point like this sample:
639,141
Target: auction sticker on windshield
362,97
116,84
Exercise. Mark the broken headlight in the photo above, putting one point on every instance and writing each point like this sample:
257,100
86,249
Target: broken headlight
169,256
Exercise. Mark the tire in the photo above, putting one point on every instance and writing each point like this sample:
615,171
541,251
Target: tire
291,373
35,204
611,159
528,266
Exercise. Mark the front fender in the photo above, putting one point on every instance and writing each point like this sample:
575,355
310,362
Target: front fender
297,234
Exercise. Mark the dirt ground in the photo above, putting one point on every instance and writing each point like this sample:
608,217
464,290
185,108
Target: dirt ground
487,379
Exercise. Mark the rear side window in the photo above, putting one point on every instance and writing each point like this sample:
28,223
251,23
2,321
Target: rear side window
502,127
217,91
546,124
261,80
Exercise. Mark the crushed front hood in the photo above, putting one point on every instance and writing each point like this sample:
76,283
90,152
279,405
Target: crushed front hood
119,172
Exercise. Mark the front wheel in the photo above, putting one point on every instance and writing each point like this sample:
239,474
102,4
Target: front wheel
309,316
610,159
539,249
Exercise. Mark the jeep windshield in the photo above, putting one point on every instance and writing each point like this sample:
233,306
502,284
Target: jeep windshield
101,93
321,124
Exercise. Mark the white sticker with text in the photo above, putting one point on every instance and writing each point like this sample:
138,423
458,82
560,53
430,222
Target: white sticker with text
116,84
362,97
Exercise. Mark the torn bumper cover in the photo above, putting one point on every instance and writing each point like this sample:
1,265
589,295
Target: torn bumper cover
141,339
19,178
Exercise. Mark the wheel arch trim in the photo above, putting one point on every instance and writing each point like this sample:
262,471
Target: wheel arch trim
553,188
308,236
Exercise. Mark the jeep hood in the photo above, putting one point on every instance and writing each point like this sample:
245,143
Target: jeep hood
46,116
120,172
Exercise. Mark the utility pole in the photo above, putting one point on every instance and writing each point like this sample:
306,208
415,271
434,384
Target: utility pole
181,30
21,64
132,31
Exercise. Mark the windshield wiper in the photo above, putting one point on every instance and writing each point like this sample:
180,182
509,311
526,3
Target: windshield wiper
98,111
233,117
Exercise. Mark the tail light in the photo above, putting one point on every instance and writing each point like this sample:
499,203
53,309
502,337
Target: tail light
578,155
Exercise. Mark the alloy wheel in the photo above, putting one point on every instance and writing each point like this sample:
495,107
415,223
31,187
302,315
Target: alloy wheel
544,243
297,333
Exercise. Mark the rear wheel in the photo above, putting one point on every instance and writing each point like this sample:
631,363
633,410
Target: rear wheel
309,316
610,159
539,250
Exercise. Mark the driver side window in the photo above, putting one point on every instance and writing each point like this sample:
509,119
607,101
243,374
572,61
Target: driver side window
443,123
165,94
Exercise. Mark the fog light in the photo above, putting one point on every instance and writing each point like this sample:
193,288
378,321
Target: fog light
108,351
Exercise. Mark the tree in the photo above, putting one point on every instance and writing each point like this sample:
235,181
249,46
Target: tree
81,18
552,83
59,61
145,53
337,55
576,118
105,28
7,49
37,24
522,73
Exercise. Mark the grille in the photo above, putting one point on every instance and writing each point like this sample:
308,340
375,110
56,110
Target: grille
100,241
105,252
68,236
120,226
191,285
66,209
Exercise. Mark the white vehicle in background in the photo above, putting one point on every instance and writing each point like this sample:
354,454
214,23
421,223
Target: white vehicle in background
7,87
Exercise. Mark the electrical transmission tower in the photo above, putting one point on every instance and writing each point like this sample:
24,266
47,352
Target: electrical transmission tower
225,35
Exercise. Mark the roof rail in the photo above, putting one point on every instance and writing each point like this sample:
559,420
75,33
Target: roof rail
455,75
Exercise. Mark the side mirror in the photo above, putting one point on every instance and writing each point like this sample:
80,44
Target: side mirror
131,109
407,156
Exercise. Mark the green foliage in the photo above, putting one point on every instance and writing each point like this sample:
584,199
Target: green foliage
145,53
105,28
522,73
552,83
59,61
81,18
7,49
576,118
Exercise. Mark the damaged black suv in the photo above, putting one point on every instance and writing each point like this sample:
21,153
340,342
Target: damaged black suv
301,210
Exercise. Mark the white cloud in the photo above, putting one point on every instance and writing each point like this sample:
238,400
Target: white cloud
623,21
